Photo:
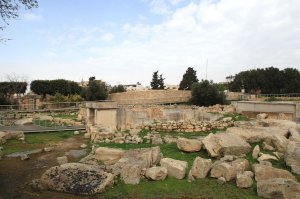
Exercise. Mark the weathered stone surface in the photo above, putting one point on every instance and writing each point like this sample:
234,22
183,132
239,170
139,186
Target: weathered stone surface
109,155
176,168
22,153
221,180
131,172
263,172
265,157
280,143
201,167
189,145
221,144
223,170
2,137
240,165
24,157
255,152
45,117
294,135
62,160
295,169
76,178
256,134
76,153
12,135
292,155
278,188
156,173
87,135
48,149
261,116
24,121
244,181
76,132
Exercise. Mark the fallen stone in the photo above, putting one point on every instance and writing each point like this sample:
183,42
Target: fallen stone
227,158
156,173
265,157
83,146
223,170
76,153
294,135
262,116
45,118
62,160
292,155
20,154
24,121
189,145
278,188
255,152
280,143
109,155
221,180
76,132
176,168
87,135
240,165
254,134
76,178
201,167
268,147
48,149
131,173
263,172
24,157
221,144
265,163
243,181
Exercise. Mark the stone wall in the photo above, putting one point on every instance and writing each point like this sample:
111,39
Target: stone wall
278,110
151,97
132,117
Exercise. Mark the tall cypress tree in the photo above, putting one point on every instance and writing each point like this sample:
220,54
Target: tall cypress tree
188,79
155,81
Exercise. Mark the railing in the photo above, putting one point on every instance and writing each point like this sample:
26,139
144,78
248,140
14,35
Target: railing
42,106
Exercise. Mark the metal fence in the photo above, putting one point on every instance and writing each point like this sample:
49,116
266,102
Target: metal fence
43,106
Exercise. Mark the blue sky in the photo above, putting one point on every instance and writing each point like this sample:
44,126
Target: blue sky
125,41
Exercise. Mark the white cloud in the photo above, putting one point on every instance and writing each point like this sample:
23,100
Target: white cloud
107,37
29,16
232,35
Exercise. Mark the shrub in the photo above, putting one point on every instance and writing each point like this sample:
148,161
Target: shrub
205,93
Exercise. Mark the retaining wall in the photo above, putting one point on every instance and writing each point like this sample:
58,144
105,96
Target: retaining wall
151,97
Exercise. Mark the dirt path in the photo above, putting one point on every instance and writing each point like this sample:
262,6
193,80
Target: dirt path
16,175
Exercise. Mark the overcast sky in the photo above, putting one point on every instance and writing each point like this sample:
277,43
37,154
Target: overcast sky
125,41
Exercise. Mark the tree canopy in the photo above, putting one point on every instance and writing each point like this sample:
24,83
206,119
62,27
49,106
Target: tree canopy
157,82
205,93
267,81
188,79
51,87
117,89
96,90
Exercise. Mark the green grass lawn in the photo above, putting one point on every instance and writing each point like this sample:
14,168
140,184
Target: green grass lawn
66,116
172,188
35,141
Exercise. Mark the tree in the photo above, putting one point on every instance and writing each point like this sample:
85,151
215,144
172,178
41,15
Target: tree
96,90
157,81
204,93
267,80
9,9
117,89
188,79
161,84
